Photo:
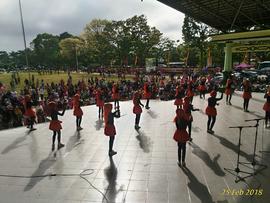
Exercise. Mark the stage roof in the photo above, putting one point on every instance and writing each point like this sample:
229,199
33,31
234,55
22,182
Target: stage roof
226,15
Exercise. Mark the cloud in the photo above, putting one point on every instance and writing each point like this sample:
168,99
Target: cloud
57,16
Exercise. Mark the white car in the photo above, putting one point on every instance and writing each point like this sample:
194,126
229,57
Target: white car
262,77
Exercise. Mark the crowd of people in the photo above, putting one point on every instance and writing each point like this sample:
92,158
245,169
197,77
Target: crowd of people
12,103
38,101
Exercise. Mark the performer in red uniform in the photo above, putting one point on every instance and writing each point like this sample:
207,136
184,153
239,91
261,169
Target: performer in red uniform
109,129
77,111
266,107
246,94
137,110
202,88
188,108
55,124
181,136
100,102
30,114
211,111
179,95
147,94
115,96
190,91
229,90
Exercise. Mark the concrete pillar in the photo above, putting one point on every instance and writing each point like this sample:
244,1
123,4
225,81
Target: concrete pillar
228,57
227,62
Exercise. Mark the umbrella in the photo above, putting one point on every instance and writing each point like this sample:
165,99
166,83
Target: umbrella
243,66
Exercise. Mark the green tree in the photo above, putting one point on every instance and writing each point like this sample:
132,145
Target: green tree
71,49
143,37
4,59
46,50
65,35
119,37
195,34
18,58
165,51
97,45
131,39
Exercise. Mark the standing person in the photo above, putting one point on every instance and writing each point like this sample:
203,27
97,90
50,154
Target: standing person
266,107
147,94
100,102
246,94
179,94
109,129
229,90
181,136
115,96
55,124
211,110
77,111
30,115
42,91
190,91
188,108
137,110
202,87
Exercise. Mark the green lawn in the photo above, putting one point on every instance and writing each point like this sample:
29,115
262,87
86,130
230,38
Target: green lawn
5,78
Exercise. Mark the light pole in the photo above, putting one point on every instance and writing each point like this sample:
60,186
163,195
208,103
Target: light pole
25,51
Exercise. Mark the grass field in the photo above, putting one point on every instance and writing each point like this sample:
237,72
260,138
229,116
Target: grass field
5,78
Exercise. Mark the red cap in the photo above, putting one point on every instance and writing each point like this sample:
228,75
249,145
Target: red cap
213,93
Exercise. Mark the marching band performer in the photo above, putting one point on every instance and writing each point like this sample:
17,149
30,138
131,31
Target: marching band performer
202,87
179,95
100,102
30,114
137,109
188,108
55,124
266,107
246,94
211,110
229,90
77,111
181,136
147,94
109,129
115,96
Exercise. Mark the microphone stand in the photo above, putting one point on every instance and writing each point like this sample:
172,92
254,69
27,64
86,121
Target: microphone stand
254,163
236,171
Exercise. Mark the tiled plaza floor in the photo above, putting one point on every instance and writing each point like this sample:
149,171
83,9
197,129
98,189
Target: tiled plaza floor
145,169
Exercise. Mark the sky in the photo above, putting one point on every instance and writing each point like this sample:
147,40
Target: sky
58,16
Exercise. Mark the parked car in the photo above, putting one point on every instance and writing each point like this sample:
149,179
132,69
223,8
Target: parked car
217,80
264,71
264,64
251,75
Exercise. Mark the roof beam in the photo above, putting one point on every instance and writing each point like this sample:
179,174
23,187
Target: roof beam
263,5
220,18
243,14
176,5
225,15
237,13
